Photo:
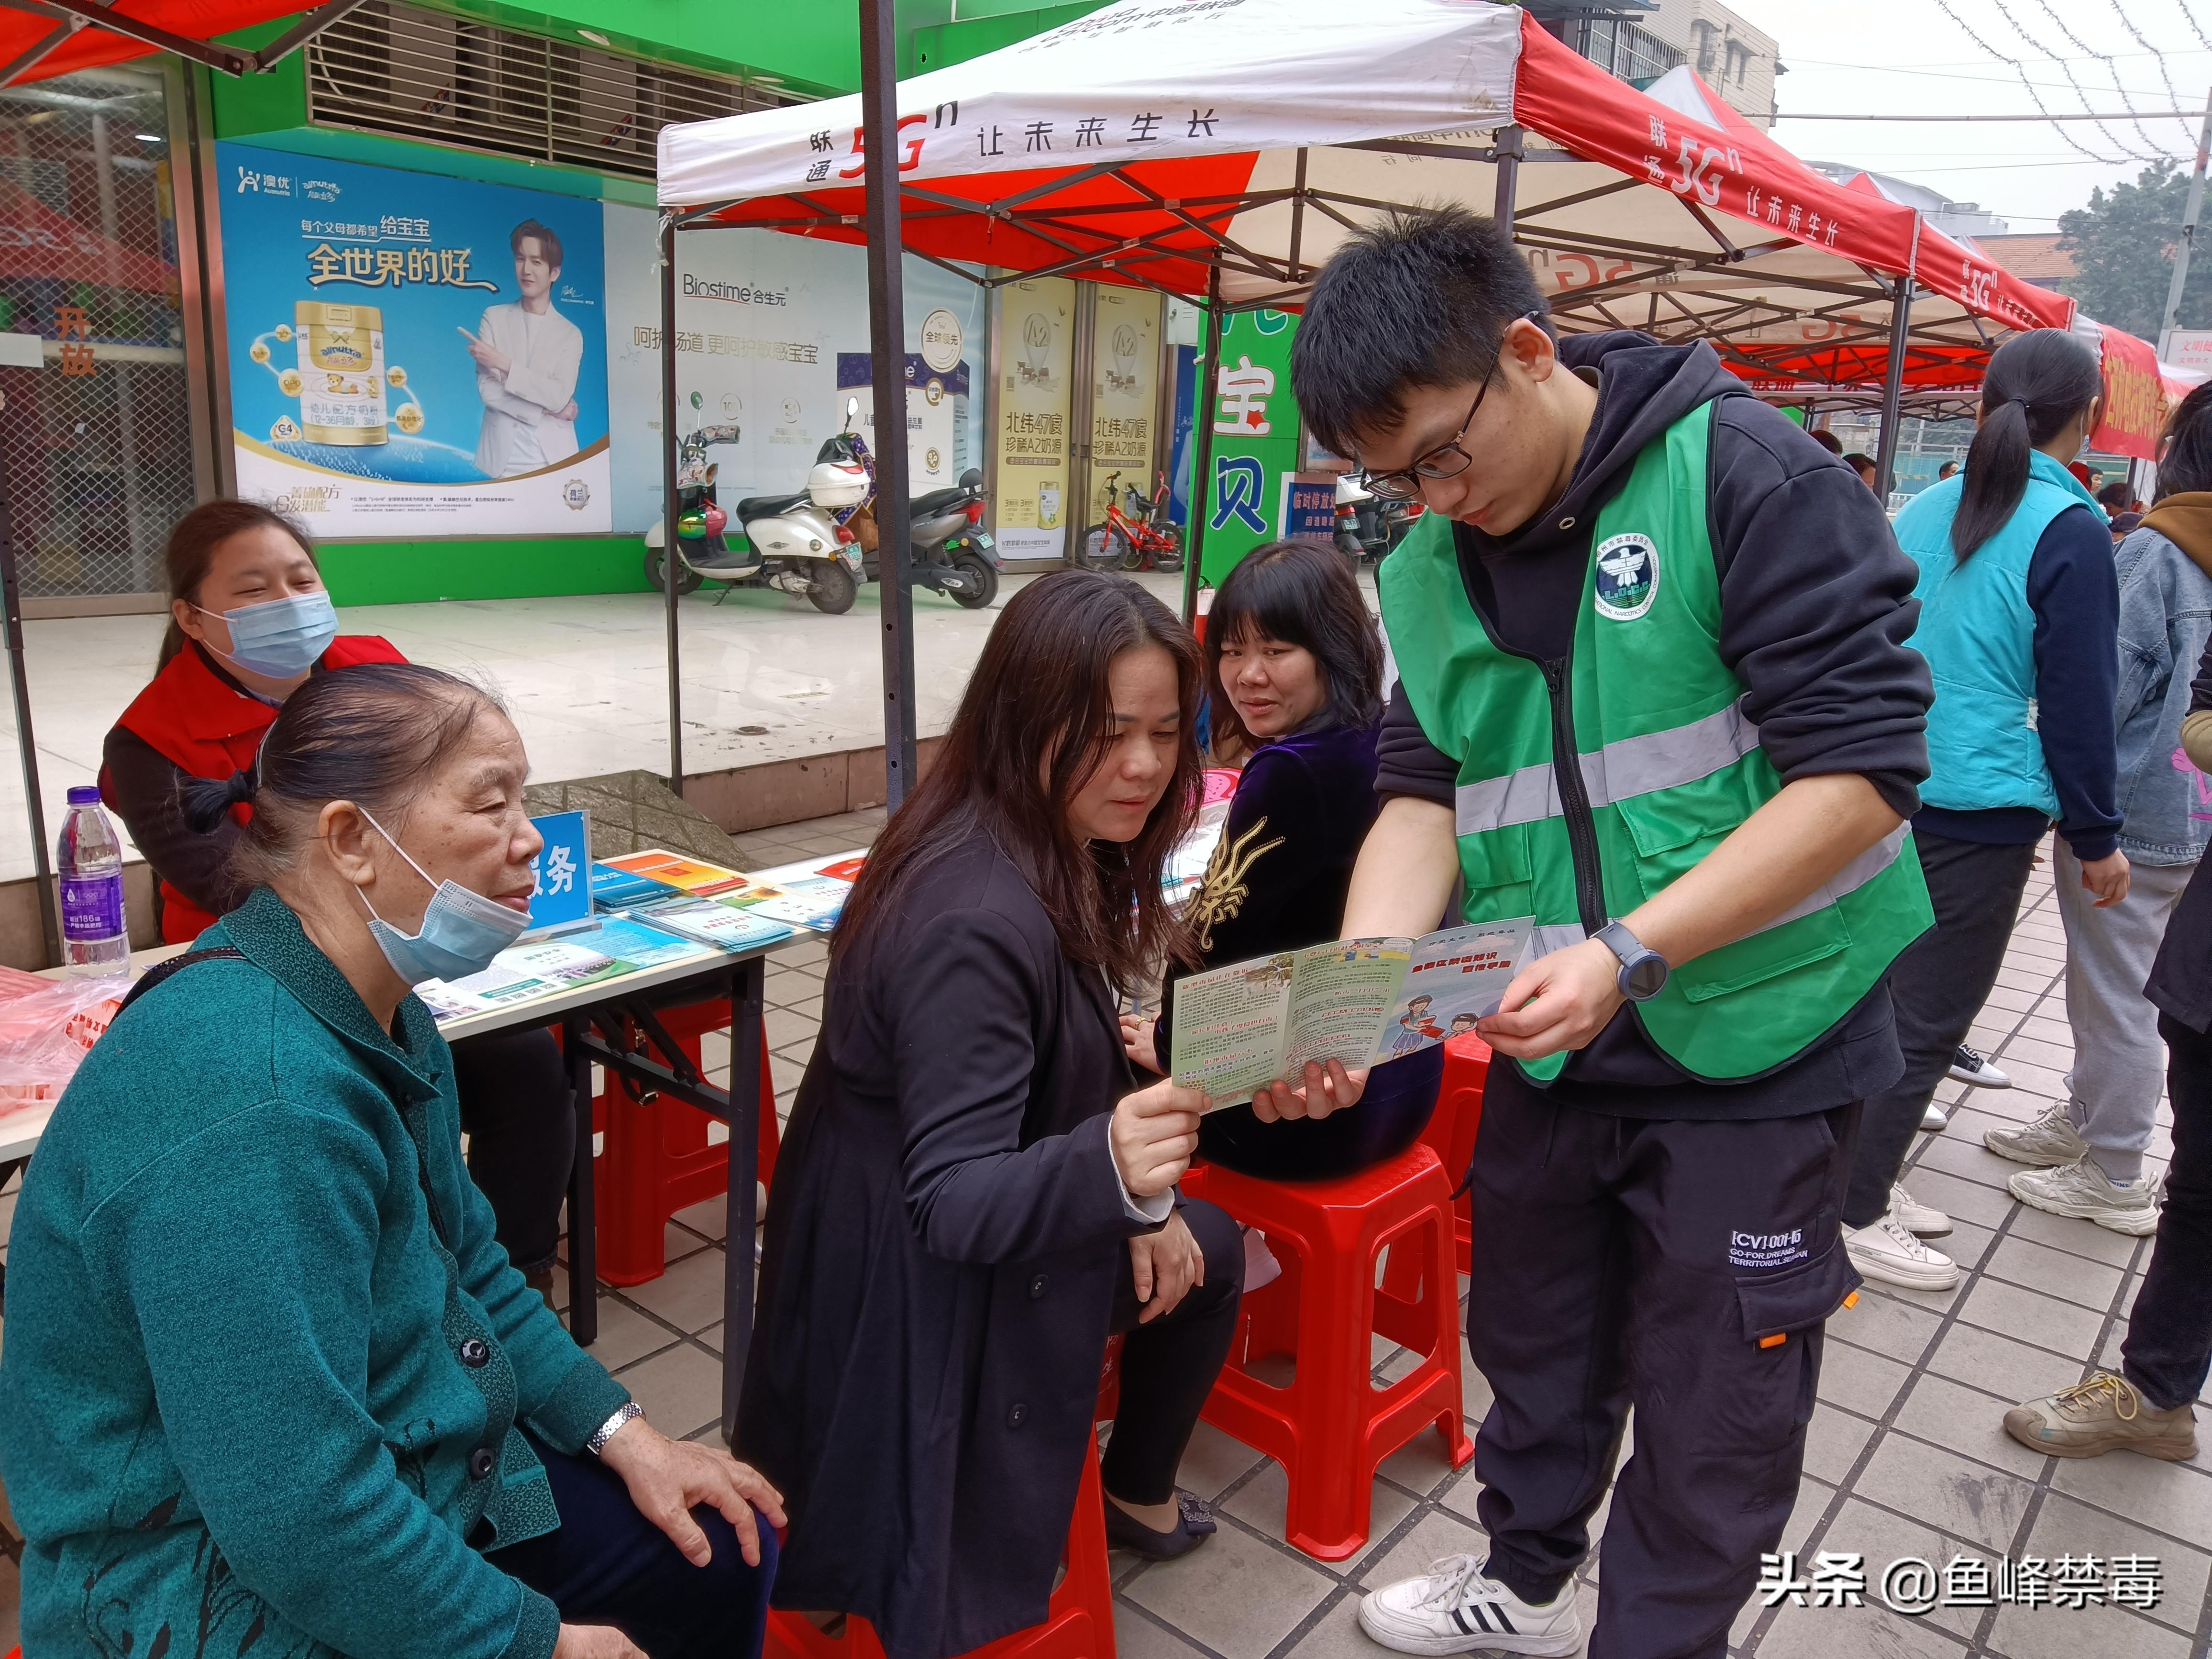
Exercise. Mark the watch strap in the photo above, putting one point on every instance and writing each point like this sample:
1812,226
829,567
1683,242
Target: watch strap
612,1426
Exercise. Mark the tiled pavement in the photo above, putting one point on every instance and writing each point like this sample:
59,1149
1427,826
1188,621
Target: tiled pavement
1906,1455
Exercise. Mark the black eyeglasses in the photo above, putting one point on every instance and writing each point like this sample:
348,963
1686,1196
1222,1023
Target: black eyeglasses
1446,460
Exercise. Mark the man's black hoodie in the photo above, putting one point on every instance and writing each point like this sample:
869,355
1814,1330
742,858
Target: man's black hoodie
1816,605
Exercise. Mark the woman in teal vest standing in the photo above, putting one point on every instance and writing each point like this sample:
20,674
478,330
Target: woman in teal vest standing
2019,621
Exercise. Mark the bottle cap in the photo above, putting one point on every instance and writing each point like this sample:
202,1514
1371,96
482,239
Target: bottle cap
84,794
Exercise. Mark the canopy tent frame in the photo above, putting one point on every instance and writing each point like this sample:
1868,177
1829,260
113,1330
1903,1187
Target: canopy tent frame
69,16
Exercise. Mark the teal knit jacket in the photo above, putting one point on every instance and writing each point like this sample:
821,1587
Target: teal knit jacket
258,1327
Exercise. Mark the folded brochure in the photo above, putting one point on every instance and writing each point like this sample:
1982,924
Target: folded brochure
1358,1001
607,948
807,895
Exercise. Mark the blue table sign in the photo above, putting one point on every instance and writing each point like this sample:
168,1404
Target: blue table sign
563,870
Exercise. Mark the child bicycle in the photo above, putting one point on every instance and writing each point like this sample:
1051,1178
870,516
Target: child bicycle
1136,538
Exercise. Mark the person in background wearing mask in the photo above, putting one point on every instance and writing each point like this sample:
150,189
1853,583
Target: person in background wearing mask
250,623
2088,1150
270,1385
2019,619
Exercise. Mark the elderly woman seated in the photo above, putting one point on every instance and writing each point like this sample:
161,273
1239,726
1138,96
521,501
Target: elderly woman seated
270,1384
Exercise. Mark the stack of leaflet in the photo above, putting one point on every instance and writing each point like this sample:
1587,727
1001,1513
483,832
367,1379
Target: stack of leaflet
625,889
812,892
607,948
705,902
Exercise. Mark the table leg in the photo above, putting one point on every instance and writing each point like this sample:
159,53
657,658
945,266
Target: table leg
746,982
583,1232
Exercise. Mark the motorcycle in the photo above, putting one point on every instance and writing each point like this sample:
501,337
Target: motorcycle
948,547
796,545
1367,528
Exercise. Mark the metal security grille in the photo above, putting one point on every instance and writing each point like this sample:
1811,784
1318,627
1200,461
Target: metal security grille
95,444
388,67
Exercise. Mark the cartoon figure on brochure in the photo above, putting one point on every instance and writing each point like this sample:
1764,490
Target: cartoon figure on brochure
1416,1030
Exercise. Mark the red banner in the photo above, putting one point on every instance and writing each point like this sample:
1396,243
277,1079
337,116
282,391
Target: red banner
2134,396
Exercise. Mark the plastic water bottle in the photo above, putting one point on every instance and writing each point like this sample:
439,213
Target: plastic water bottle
95,938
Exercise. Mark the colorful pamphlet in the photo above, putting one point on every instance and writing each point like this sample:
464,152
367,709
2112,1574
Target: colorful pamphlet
604,949
733,927
623,890
1358,1001
812,892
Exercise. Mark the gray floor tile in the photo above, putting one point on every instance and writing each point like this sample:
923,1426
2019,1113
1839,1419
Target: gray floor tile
709,1217
786,1028
2102,1632
1964,1200
1968,1421
1999,1365
1213,1462
1887,1324
1238,1595
1337,1634
2055,1273
1833,1441
626,1334
1437,1535
1878,1538
1421,1465
2064,1527
1969,1160
1860,1381
1865,1632
2046,1321
2081,1237
681,1390
688,1295
1138,1636
1950,1492
2168,1498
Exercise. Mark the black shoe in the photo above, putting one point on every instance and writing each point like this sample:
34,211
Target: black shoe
1193,1526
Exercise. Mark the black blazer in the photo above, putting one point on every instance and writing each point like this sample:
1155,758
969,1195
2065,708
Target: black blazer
943,1241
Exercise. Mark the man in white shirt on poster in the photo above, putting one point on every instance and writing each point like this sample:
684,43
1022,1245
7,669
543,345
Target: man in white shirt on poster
528,357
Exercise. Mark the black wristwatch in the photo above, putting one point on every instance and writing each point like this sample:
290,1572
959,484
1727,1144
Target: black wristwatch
1643,971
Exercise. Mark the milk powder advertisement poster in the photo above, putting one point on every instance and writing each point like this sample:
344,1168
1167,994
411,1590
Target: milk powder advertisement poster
413,356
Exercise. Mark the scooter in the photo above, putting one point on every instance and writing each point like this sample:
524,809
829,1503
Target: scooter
1367,528
948,547
795,545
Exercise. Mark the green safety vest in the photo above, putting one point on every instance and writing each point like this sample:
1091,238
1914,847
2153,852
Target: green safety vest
1666,766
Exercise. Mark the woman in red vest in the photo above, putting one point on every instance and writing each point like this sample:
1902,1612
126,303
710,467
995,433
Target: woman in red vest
250,623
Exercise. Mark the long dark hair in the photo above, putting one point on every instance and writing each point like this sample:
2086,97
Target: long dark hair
191,551
1304,593
2036,384
2185,462
373,735
1038,706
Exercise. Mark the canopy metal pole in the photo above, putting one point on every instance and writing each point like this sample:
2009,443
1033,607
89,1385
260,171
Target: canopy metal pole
1506,143
2173,317
1201,463
887,348
20,685
671,551
1892,388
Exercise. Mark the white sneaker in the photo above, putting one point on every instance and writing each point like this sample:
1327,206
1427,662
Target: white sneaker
1453,1609
1935,1120
1921,1220
2083,1190
1968,1067
2048,1142
1883,1249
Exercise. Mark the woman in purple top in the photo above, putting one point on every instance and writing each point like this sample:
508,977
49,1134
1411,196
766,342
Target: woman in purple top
1294,670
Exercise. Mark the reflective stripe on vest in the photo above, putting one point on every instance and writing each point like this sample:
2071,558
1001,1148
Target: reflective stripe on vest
1651,717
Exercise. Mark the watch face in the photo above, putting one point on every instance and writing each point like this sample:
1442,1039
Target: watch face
1646,975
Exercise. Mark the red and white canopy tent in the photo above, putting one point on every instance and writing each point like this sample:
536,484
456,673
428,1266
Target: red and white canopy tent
1224,149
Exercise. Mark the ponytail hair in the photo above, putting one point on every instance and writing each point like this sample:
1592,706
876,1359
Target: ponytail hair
2036,383
374,734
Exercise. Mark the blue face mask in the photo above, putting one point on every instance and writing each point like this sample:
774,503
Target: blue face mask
461,931
281,637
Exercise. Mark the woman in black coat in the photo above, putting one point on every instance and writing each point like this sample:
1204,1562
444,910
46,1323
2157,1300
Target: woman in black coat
972,1195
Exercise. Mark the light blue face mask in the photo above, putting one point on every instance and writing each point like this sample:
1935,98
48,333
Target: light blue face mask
279,637
461,931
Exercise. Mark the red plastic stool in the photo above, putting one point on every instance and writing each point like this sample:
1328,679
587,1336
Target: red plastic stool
1079,1621
1332,1426
657,1159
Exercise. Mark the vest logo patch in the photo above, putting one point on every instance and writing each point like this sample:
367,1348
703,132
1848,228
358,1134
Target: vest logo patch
1627,576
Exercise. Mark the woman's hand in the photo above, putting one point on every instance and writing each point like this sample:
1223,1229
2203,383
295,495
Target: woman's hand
2108,877
1153,1135
1137,1042
594,1642
1166,1264
1326,1088
667,1477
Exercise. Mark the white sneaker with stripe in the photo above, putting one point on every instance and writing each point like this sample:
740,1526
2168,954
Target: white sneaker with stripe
1453,1609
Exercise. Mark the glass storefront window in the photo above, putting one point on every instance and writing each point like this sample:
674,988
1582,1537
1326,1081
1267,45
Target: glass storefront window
95,436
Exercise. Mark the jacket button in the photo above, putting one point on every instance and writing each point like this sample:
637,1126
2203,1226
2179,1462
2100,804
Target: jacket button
1017,1414
480,1463
1037,1285
475,1352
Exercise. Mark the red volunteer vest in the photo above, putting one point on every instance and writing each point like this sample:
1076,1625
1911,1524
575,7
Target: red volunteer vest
210,731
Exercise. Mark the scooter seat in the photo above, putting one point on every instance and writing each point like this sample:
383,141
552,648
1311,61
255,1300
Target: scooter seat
939,501
768,506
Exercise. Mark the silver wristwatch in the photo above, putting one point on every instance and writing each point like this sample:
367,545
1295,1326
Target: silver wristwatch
608,1430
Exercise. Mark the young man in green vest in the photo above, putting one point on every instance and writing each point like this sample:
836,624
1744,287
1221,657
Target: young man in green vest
1654,692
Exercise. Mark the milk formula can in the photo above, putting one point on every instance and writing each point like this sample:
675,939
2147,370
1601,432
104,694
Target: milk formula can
340,372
